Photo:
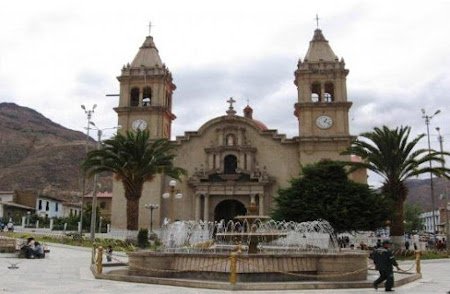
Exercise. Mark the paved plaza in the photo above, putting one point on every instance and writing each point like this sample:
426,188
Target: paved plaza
66,270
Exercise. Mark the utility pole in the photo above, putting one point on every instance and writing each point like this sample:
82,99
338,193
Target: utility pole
447,223
433,206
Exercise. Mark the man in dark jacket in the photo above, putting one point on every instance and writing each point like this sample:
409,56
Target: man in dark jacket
384,261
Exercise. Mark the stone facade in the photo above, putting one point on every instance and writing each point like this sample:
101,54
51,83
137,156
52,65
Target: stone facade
233,160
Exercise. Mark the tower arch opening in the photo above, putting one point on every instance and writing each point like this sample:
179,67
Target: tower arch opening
329,92
134,96
315,92
147,96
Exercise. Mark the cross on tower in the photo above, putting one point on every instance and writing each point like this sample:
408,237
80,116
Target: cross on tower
317,20
149,28
231,101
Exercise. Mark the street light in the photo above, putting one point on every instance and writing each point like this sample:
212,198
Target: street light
94,190
427,122
171,195
447,225
151,207
83,179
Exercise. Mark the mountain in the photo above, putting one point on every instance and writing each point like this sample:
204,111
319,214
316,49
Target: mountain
36,153
419,192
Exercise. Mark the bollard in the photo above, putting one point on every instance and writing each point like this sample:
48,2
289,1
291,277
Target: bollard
99,259
233,268
418,254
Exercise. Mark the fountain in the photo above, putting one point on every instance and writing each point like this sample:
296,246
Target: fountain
264,250
249,229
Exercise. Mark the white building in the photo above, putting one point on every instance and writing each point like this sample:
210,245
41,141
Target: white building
48,206
427,220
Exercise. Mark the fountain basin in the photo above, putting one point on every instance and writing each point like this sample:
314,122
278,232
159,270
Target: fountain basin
311,266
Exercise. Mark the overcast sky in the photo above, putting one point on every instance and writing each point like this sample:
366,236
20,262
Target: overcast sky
57,55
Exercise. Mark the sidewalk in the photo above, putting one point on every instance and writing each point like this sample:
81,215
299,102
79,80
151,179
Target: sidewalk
66,270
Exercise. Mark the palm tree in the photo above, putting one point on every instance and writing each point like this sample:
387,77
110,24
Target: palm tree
134,160
392,155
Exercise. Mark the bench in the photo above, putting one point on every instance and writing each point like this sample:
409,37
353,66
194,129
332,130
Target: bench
7,245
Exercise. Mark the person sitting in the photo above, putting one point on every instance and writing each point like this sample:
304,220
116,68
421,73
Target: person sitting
39,250
27,250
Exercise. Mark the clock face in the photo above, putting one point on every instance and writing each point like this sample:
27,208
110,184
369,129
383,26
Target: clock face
324,122
139,124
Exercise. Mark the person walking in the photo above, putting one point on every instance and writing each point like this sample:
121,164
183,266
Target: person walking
384,261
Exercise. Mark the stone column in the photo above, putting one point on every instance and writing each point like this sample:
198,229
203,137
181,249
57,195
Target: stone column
206,211
197,206
261,204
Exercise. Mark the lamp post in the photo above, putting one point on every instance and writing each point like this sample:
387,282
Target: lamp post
171,195
447,225
88,113
433,206
151,207
94,190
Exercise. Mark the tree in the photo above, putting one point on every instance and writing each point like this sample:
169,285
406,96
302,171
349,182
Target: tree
134,160
324,192
391,154
411,213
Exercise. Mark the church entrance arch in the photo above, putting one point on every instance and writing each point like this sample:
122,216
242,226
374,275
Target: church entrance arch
228,210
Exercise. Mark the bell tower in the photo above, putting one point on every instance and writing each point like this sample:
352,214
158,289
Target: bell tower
146,89
322,108
145,103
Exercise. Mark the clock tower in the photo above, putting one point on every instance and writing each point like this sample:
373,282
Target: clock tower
322,107
145,103
146,89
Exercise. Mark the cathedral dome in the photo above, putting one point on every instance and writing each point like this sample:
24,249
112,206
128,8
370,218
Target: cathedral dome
248,113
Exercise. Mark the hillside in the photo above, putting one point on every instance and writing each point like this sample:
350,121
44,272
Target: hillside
419,192
36,153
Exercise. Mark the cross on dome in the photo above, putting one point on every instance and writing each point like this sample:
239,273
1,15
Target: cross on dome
231,101
230,110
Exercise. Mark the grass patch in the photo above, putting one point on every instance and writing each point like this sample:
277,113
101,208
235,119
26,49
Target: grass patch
75,239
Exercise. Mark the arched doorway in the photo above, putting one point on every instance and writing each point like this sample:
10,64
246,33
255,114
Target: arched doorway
228,209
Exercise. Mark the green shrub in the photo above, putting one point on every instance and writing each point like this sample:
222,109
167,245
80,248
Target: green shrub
142,238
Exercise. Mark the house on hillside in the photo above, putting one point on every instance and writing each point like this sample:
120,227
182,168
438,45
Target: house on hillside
15,204
49,206
104,203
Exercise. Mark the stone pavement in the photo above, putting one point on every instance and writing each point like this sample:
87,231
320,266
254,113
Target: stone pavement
66,270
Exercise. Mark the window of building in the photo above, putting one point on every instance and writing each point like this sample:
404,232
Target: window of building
103,205
47,206
40,205
230,162
56,206
134,97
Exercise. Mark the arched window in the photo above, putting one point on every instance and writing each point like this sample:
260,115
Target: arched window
315,92
230,140
134,97
147,96
329,92
230,164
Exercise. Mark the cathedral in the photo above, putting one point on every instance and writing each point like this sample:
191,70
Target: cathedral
232,160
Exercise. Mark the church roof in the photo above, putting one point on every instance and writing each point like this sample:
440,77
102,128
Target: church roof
319,49
147,55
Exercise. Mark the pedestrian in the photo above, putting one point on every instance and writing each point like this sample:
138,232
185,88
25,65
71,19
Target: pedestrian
384,261
406,245
378,243
109,252
10,226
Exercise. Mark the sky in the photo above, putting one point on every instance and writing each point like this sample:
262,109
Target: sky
58,55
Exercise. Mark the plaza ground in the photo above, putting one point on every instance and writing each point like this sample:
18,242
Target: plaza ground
66,270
